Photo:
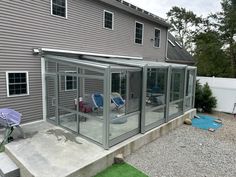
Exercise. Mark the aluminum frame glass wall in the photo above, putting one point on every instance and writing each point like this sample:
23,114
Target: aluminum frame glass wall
110,100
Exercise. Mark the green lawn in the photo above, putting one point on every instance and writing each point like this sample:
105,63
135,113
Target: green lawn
121,170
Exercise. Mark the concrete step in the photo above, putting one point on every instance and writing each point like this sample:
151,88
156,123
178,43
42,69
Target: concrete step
7,167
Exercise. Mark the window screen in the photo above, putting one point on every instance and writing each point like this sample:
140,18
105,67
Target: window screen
71,81
108,20
139,33
157,38
59,7
17,84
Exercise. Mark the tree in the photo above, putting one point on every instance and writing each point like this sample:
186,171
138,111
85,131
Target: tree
227,21
186,24
211,60
204,98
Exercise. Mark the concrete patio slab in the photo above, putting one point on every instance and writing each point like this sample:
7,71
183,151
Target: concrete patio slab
50,151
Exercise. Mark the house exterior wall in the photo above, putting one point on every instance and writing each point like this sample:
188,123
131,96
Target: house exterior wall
29,24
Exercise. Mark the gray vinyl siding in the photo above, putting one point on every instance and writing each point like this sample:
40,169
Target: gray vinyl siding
29,24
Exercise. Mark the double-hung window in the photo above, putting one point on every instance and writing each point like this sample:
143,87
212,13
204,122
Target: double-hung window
70,81
108,19
59,8
157,39
17,83
138,33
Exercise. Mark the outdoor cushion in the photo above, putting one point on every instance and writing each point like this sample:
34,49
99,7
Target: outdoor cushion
118,101
98,99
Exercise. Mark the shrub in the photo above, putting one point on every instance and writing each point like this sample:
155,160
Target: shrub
204,100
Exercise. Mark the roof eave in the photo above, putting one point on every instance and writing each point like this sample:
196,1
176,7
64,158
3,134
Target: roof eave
179,61
155,19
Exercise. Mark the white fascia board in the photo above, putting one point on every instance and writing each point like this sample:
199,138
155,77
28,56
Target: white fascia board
90,54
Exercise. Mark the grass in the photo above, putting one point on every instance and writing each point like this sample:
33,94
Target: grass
121,170
2,148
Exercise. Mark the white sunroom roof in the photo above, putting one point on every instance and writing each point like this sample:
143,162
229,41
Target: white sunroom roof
114,63
133,62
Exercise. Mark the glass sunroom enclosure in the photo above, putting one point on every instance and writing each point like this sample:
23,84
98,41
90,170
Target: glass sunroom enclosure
108,100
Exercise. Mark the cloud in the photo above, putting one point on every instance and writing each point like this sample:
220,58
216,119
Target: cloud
161,7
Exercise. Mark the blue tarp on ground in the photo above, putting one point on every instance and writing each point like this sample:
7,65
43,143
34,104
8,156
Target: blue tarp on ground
205,122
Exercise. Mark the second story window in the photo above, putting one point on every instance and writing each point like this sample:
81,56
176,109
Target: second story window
157,39
108,19
59,8
138,33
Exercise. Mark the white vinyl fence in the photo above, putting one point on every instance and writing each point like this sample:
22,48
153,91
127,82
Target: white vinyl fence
224,89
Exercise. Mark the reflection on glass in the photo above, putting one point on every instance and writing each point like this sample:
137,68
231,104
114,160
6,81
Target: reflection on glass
156,95
176,91
91,108
125,102
68,119
50,67
155,116
175,108
51,98
189,89
92,128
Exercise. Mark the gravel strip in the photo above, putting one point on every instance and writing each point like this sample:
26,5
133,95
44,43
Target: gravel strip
190,152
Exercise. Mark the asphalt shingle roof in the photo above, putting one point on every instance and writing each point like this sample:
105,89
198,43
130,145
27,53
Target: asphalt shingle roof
177,53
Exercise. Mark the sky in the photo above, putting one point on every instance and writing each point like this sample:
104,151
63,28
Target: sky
161,7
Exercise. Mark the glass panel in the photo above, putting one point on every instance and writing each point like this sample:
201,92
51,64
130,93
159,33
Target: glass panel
68,119
119,83
108,20
190,80
91,108
92,128
189,89
157,38
188,103
50,67
134,92
17,83
125,96
90,72
176,91
155,116
156,95
176,108
67,98
51,98
139,33
62,68
59,7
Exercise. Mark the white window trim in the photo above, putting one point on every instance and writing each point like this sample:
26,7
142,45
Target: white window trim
155,38
7,83
72,72
59,15
104,11
135,32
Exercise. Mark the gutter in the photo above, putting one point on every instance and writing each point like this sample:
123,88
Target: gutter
43,50
179,61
